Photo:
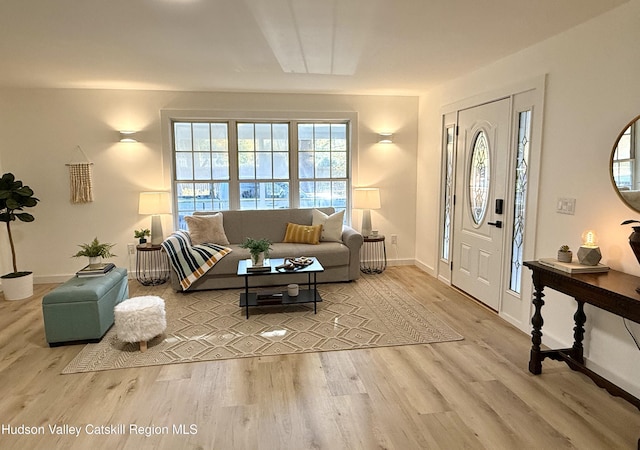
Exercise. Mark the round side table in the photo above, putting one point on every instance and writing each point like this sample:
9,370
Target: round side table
373,255
152,265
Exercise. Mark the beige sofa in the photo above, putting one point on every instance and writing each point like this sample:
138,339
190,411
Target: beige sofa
341,260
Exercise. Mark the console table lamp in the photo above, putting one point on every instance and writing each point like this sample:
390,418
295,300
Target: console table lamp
366,199
155,203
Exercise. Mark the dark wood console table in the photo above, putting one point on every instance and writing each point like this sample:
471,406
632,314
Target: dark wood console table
612,291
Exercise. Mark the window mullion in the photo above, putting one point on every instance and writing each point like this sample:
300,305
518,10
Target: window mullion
234,183
294,186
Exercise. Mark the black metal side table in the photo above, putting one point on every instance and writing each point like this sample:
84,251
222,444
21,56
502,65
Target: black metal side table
373,255
152,265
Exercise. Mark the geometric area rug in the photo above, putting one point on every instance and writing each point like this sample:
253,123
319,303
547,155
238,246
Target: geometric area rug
373,311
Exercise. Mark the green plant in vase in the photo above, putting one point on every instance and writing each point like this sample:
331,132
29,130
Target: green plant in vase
95,251
142,235
257,248
565,254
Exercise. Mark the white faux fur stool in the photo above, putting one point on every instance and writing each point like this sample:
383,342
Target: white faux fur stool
140,319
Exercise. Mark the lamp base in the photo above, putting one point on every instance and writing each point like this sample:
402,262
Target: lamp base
589,256
366,222
156,230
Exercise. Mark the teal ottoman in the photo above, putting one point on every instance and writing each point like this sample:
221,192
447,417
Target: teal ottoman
82,308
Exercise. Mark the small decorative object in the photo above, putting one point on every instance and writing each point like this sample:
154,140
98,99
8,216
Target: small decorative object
142,235
301,261
14,197
291,264
565,254
589,252
259,249
293,290
95,251
634,238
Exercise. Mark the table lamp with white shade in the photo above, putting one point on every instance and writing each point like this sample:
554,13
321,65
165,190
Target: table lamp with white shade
155,203
366,199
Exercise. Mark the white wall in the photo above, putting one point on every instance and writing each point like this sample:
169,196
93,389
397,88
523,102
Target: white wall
40,129
593,91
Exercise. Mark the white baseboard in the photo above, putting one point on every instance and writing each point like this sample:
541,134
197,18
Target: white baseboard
615,378
425,268
400,262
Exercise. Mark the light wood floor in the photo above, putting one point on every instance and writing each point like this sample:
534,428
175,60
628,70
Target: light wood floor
475,393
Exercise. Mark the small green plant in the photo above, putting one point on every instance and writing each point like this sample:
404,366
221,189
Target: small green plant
257,246
142,233
565,254
95,249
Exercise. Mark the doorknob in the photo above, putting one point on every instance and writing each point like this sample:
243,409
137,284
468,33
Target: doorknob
497,223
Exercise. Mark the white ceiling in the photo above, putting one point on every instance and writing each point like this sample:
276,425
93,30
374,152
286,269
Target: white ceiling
401,47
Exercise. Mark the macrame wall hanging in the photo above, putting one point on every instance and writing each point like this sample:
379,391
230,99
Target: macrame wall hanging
80,179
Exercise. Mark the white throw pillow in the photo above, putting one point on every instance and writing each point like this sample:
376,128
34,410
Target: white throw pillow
331,225
207,229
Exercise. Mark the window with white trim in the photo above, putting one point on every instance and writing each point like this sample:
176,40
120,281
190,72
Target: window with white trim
249,164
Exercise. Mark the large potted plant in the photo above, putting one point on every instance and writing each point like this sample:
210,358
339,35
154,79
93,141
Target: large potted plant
14,197
95,251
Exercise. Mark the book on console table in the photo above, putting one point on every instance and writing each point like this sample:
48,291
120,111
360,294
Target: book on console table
88,271
268,294
572,267
266,267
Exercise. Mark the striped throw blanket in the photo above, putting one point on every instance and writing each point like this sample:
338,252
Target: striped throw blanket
191,261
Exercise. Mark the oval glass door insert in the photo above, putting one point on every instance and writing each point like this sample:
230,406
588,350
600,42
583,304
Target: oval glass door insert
479,178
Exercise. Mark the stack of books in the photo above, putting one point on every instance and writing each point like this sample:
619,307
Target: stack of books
100,271
266,267
572,267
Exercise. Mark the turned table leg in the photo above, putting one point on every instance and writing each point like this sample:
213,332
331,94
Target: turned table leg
535,360
579,318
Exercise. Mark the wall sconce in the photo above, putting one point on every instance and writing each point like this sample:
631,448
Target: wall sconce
589,252
385,138
155,203
128,136
366,199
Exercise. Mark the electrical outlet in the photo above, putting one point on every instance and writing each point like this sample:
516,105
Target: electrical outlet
394,239
131,248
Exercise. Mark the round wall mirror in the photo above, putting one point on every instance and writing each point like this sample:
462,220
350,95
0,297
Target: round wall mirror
624,165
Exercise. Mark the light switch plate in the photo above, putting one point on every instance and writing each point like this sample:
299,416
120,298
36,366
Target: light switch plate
566,206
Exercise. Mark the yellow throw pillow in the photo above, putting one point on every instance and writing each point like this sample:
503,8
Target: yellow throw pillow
303,234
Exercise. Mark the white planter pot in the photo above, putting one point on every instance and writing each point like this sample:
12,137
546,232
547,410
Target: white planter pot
259,261
95,262
18,288
565,256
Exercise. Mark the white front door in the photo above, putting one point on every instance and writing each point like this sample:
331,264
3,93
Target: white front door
479,220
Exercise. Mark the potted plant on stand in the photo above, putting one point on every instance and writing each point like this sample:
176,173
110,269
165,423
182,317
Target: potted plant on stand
259,249
141,235
95,251
14,197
